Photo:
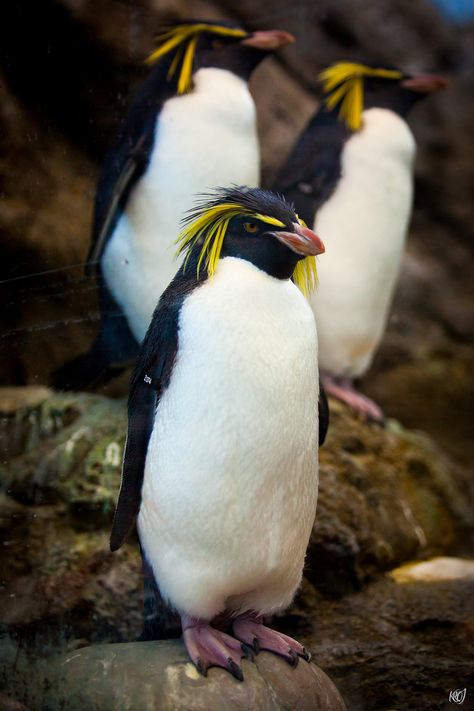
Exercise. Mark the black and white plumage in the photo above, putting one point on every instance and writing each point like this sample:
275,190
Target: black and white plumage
221,467
355,187
170,147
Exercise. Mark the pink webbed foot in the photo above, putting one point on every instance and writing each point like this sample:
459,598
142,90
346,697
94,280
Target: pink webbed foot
250,630
342,389
209,647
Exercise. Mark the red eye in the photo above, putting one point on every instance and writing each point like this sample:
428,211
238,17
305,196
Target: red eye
217,44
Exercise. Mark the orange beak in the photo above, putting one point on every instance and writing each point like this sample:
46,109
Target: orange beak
426,83
302,241
268,40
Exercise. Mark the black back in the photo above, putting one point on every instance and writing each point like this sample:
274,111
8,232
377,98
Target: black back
128,158
312,171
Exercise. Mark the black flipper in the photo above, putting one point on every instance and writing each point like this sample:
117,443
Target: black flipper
127,159
323,409
313,168
141,415
151,377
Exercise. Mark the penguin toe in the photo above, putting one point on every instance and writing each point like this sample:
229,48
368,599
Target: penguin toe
234,669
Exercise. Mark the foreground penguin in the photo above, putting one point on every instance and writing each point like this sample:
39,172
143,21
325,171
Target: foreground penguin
191,126
350,175
220,466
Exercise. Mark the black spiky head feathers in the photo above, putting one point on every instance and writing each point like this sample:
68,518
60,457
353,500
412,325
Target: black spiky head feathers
206,225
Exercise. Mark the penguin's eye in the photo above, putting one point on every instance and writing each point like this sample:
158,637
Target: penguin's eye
217,44
250,227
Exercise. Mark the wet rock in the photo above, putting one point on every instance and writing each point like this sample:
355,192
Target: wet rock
19,413
401,643
56,506
157,676
386,496
9,704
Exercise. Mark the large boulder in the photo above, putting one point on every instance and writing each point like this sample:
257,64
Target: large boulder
157,676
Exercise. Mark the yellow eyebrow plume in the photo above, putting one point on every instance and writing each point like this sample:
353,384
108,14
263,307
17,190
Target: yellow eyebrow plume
343,83
183,38
211,226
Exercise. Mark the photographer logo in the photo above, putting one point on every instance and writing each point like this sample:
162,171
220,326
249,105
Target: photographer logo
457,696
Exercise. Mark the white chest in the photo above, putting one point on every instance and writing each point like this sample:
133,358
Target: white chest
203,140
234,448
364,226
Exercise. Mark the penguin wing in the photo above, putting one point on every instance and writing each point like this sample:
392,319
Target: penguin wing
124,165
142,404
121,171
314,166
151,378
323,409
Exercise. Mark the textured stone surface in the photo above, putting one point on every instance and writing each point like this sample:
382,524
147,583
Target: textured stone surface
387,496
157,676
404,642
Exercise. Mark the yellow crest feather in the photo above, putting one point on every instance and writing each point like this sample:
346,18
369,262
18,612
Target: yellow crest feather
183,39
211,225
344,84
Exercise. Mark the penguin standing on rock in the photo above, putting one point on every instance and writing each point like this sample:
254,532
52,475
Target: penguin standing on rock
350,175
191,126
220,466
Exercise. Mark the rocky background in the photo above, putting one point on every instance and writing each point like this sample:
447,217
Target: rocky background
389,633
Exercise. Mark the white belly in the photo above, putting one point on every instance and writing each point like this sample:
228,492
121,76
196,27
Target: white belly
363,226
203,140
230,485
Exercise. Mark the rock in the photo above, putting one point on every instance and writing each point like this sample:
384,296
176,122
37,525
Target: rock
436,569
9,704
157,676
386,496
55,513
403,642
19,410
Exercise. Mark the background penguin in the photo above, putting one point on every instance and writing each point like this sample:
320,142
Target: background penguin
191,126
350,175
220,465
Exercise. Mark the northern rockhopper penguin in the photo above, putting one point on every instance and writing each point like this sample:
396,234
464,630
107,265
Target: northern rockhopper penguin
221,461
191,126
350,176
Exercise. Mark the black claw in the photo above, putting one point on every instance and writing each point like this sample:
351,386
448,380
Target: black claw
306,654
201,668
234,669
256,645
293,659
248,651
